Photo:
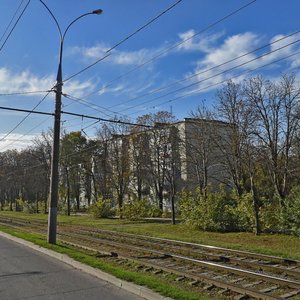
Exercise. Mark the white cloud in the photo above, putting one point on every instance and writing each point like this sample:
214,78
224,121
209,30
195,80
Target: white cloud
16,141
26,81
192,41
209,72
23,81
117,57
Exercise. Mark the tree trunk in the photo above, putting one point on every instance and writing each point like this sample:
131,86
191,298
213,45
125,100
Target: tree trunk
255,201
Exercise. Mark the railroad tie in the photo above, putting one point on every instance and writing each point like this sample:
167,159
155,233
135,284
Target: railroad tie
252,284
209,287
290,294
237,280
194,282
241,297
269,289
180,278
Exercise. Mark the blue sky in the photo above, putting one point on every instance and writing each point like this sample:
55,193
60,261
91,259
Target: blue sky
28,60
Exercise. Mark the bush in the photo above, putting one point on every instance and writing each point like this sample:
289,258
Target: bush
29,207
101,209
136,209
291,213
245,213
271,218
215,212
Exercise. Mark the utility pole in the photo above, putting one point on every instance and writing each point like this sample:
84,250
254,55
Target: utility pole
54,179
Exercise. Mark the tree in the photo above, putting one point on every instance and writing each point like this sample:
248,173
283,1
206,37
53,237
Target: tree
116,169
232,108
73,161
201,148
275,109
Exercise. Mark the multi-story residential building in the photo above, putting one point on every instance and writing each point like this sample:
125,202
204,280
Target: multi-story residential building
161,161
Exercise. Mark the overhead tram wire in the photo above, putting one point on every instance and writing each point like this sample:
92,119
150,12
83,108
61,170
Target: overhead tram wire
29,113
25,134
13,17
204,71
106,120
90,105
127,38
184,79
66,156
213,76
41,123
24,93
161,53
224,81
16,23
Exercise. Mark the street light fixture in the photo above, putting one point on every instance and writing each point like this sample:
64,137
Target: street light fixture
54,179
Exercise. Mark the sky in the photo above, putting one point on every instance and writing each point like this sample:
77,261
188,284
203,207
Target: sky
174,63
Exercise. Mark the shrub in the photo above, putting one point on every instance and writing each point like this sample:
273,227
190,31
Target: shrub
291,213
245,213
215,212
101,209
136,209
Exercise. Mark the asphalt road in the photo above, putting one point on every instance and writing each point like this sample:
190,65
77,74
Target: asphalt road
28,274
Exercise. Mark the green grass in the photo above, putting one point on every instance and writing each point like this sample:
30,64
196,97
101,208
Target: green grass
149,281
271,244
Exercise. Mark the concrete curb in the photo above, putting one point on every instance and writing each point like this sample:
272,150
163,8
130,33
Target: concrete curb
127,286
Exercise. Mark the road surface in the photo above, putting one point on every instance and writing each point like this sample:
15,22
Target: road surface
28,274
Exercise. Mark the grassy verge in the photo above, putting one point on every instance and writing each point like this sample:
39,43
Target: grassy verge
152,282
278,245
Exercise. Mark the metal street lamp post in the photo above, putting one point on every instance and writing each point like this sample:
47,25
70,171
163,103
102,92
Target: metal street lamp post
54,179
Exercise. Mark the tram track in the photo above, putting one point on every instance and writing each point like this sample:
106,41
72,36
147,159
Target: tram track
246,274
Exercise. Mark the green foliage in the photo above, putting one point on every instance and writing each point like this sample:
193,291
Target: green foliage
29,207
101,209
244,213
154,211
136,209
271,216
291,213
215,212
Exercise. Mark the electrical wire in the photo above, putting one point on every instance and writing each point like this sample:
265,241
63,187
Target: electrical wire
11,31
213,76
29,113
224,81
13,17
90,105
127,38
205,71
20,138
24,93
106,120
176,45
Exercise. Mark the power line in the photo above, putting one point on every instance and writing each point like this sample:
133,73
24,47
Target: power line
161,53
225,80
127,38
11,31
20,138
106,120
88,67
24,93
14,15
215,75
22,110
26,110
44,121
90,105
206,70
